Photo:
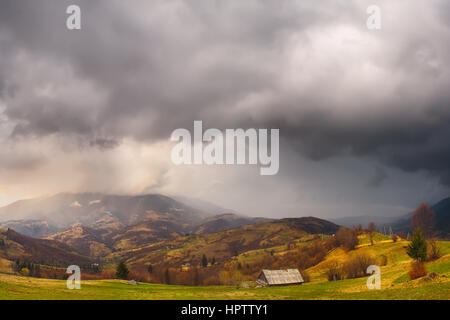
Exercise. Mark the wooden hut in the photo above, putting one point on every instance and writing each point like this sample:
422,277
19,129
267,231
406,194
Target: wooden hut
280,277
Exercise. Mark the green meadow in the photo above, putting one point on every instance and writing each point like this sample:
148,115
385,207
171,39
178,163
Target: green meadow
395,284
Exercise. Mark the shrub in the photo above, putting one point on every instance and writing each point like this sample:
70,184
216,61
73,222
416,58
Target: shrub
383,260
358,228
394,237
346,238
212,281
356,266
25,271
417,249
434,251
402,235
334,271
417,270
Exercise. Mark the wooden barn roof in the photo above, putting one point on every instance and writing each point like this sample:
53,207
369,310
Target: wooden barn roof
280,277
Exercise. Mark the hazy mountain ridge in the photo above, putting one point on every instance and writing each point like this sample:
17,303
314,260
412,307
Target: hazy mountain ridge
441,220
350,222
98,224
226,221
403,223
65,209
155,234
32,228
14,245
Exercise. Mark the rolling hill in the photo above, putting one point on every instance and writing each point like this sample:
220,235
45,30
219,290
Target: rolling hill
32,228
226,221
226,244
87,241
395,284
15,246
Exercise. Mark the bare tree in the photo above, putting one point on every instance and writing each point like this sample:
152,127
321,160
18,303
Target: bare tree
347,238
423,219
372,227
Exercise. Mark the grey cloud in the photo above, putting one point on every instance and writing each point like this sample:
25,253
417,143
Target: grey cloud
104,143
21,161
155,66
377,179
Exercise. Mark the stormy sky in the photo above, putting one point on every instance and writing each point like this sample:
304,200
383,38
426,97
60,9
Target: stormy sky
364,115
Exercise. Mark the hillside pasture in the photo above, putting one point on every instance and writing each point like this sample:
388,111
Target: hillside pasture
394,283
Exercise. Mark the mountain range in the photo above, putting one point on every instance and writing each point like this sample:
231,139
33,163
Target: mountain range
403,223
87,227
97,224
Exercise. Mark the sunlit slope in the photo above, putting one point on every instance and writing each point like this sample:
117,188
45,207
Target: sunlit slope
226,244
395,284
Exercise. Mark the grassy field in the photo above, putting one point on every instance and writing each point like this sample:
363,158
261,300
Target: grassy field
394,281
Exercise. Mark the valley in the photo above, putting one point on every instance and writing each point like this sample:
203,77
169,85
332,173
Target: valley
175,250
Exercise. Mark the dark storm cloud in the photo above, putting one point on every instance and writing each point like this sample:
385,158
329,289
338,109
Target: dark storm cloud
379,176
312,69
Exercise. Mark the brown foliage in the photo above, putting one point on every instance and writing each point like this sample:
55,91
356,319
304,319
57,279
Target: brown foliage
334,272
402,234
434,250
302,257
394,237
417,270
212,280
305,275
356,266
347,238
423,219
358,228
372,227
383,260
105,274
227,273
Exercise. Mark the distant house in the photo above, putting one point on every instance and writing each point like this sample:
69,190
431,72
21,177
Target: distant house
279,277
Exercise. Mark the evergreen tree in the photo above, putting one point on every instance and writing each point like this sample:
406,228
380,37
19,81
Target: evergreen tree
204,261
417,249
122,270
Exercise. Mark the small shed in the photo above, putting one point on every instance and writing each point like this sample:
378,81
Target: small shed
280,277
